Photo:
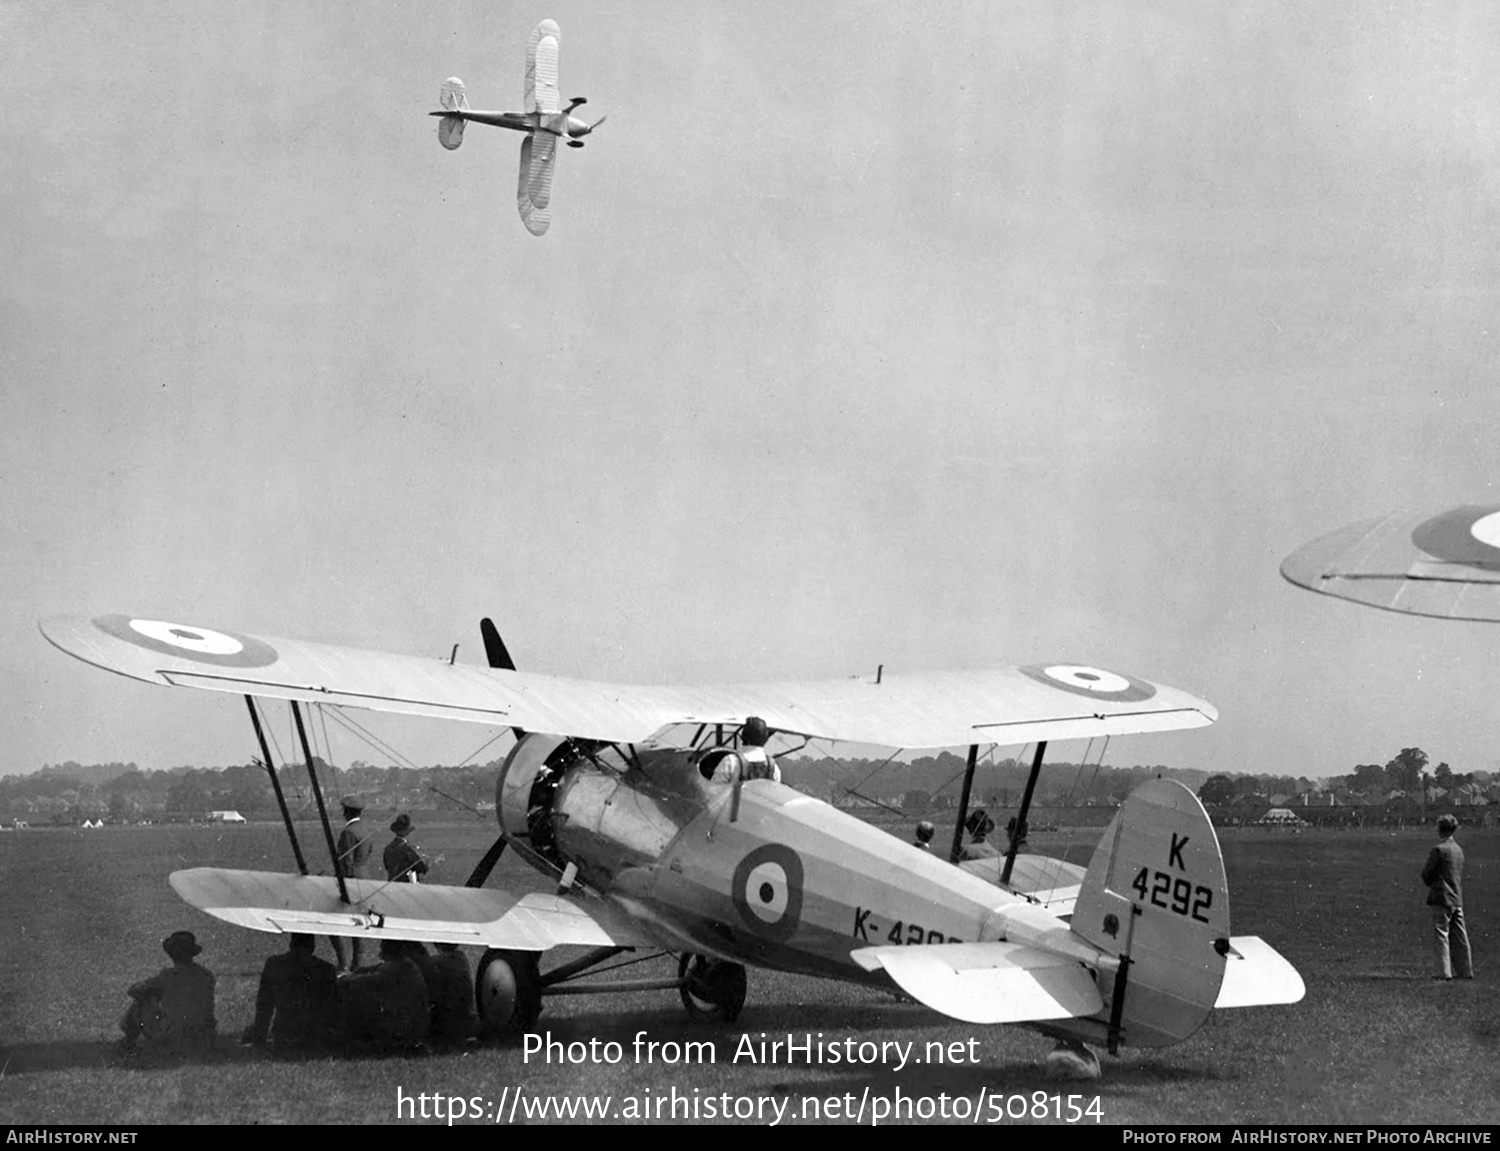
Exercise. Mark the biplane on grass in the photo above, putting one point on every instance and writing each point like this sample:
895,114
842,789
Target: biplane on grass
620,795
544,119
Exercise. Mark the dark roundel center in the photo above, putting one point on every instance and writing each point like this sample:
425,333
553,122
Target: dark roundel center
1087,675
182,633
767,893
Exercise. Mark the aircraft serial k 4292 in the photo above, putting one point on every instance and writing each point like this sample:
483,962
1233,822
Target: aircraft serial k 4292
637,802
544,121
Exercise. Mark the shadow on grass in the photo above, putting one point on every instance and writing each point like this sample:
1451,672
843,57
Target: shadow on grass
29,1058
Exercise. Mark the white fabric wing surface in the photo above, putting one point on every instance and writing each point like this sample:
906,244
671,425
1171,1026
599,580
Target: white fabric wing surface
927,710
268,901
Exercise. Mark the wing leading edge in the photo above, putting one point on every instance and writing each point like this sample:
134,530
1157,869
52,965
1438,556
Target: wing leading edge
930,710
1445,564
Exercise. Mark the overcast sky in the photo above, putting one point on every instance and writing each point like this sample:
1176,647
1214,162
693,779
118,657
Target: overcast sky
931,336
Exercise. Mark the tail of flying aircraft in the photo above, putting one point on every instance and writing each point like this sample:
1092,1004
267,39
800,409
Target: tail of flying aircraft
454,99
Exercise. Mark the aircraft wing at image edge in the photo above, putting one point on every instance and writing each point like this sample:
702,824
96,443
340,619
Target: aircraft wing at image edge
1009,706
1444,564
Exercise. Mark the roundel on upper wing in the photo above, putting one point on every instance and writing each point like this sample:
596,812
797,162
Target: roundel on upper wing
226,649
1091,681
767,889
1466,535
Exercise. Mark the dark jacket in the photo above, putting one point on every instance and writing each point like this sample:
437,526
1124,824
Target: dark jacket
296,1005
1443,873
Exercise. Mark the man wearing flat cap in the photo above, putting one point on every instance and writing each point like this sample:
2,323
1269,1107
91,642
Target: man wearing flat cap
354,849
173,1011
403,863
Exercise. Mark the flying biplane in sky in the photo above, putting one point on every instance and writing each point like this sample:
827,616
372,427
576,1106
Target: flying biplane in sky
619,794
1444,564
545,121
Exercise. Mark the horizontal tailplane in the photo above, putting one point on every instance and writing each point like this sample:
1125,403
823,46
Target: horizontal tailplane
988,982
1256,975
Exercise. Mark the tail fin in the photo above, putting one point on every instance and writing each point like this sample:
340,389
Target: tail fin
1155,900
453,99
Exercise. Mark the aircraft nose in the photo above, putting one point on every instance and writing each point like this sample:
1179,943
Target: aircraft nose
577,127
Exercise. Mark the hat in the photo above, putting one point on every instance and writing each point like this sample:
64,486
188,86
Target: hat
352,803
925,830
754,733
181,945
401,824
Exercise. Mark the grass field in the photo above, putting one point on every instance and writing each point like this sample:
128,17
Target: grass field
1375,1041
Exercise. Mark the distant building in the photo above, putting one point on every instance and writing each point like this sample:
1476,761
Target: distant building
225,817
1281,817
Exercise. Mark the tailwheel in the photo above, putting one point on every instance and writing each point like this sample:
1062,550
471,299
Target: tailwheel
711,988
507,993
1071,1059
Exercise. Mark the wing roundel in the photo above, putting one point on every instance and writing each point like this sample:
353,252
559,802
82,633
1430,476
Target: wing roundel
1004,706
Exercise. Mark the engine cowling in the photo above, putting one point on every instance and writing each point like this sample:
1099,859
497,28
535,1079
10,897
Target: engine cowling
518,776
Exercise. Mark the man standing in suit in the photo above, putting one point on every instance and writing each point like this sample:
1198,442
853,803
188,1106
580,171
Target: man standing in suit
354,854
1443,874
402,861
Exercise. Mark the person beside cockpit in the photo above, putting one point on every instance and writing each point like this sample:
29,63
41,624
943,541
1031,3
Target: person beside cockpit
754,761
354,847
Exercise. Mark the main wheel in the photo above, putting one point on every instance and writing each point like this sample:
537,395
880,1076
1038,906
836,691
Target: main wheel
507,993
712,988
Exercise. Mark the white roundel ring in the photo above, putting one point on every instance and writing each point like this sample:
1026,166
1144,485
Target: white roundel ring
1091,679
1081,679
767,890
189,641
199,640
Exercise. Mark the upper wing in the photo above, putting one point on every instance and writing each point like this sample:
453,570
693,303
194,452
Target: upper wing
541,68
267,901
534,183
938,709
1445,565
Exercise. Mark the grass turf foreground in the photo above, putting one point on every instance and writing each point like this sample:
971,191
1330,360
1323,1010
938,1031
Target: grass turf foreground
1375,1041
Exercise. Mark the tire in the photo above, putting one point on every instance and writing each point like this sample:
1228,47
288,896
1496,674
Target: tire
507,993
712,989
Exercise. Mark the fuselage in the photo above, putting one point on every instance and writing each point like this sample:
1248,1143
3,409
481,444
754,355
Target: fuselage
557,123
790,883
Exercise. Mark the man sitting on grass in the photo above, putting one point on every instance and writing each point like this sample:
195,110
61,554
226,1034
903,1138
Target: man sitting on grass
172,1013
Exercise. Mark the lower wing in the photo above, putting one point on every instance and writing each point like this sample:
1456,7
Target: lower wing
310,904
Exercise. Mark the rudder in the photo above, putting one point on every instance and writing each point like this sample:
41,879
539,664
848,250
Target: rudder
1156,897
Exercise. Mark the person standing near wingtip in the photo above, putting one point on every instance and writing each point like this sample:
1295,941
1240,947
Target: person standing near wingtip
403,863
354,849
1443,874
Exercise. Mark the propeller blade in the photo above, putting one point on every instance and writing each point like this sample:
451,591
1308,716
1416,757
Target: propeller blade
494,647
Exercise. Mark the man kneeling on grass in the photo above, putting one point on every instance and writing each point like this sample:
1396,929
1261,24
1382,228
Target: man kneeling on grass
296,1006
172,1013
